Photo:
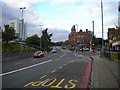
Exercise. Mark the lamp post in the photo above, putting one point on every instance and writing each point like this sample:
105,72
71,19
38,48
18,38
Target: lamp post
77,39
91,46
102,28
40,38
93,27
22,8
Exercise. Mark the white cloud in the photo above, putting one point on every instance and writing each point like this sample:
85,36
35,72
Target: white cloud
111,21
58,34
86,12
34,19
15,3
73,1
66,1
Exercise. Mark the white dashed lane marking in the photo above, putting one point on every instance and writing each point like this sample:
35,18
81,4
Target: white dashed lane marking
25,68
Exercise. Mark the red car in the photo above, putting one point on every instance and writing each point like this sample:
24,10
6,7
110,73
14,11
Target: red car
38,54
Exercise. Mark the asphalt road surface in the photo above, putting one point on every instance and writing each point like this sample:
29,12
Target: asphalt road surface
64,69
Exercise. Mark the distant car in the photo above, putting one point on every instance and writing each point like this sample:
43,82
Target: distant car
38,54
86,49
98,49
54,51
81,49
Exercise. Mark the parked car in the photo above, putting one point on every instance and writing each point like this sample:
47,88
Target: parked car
38,54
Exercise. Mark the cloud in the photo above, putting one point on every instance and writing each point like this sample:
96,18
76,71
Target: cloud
9,13
111,21
68,13
66,1
59,34
110,8
85,1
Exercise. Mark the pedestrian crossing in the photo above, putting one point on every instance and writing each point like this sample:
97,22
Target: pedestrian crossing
65,50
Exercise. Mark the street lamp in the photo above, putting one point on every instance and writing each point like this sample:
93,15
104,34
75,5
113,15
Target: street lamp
92,36
102,29
22,8
76,31
40,38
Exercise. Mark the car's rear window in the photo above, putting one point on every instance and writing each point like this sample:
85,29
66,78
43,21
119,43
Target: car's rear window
38,52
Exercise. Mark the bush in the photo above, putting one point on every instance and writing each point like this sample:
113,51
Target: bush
111,55
16,48
114,56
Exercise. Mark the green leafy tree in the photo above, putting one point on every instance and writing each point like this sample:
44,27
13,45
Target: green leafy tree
59,43
98,42
45,39
8,34
33,41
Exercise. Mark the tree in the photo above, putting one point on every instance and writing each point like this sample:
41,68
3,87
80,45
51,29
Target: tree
33,40
45,39
59,43
9,34
98,42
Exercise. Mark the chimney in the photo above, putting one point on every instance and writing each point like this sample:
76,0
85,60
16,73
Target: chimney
86,30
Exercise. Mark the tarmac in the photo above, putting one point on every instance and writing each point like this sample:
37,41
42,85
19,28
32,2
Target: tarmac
104,73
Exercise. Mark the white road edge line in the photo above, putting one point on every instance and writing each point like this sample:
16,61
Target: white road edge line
24,68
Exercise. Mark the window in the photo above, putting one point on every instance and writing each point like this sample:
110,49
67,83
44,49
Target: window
12,24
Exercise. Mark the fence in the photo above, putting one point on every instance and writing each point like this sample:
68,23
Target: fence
10,56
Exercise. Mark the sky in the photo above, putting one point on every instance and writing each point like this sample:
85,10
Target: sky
60,15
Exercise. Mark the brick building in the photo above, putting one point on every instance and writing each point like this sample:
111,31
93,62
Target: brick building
114,39
80,39
72,38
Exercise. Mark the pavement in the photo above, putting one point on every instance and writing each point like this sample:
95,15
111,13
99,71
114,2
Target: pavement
104,73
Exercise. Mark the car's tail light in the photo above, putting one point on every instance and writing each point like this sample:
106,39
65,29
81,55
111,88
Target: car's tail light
39,54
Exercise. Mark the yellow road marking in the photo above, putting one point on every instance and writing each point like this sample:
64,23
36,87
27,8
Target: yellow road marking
73,85
35,84
38,83
43,76
53,71
50,83
28,84
58,85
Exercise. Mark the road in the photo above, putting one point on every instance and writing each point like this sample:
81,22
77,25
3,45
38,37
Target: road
64,69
